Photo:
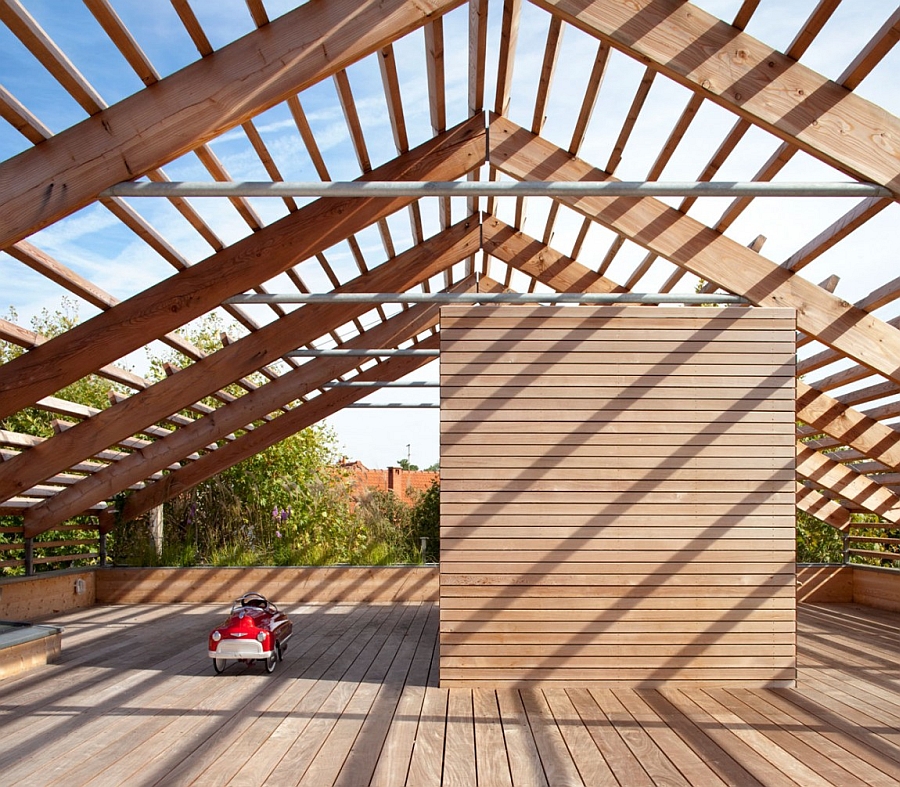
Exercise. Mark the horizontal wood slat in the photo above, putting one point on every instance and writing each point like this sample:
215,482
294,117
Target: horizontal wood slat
617,495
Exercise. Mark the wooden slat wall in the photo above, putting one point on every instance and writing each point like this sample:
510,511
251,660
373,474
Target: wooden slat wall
283,584
617,496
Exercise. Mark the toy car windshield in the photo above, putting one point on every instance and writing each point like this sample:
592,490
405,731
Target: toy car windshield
255,631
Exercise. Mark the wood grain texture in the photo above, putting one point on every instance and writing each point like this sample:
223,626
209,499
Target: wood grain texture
202,101
748,77
709,254
607,529
355,702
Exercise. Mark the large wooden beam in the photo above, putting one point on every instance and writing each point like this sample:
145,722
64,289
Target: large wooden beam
846,483
194,291
848,426
269,434
740,73
819,506
196,104
703,251
299,327
305,415
246,409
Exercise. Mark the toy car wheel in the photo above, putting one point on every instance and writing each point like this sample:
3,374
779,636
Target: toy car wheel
271,662
219,665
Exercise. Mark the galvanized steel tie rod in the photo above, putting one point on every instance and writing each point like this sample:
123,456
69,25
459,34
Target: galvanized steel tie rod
389,188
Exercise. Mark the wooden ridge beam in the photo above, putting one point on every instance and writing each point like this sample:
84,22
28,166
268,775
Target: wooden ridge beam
703,251
846,483
205,99
194,382
201,287
744,75
196,435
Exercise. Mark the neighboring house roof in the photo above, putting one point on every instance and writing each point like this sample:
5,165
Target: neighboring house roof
406,484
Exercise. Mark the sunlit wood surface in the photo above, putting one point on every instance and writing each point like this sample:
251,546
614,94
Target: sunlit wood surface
134,700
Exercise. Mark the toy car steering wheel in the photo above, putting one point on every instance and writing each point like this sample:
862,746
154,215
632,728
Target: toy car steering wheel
254,600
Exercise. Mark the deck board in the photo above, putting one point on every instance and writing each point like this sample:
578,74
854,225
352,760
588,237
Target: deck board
134,700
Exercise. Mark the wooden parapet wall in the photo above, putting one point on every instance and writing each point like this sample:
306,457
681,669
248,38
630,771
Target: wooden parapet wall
617,496
284,585
825,584
43,595
877,587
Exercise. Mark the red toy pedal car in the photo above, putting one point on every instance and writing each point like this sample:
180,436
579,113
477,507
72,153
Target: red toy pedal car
255,630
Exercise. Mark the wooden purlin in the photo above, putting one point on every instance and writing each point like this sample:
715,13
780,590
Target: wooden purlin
24,26
125,42
137,224
170,394
53,270
196,290
828,511
391,82
351,115
703,251
23,121
872,53
848,426
770,89
205,99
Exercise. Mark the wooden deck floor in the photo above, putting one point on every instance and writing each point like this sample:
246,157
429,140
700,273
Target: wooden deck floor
134,701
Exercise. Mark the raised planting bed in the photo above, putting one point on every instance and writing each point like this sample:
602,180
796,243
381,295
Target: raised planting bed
24,646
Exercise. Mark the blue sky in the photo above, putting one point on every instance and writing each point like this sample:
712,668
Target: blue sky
94,244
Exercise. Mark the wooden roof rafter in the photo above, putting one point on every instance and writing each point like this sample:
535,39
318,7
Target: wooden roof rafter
214,107
296,329
288,387
519,153
530,270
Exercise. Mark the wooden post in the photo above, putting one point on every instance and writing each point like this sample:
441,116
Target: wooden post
29,557
156,527
102,549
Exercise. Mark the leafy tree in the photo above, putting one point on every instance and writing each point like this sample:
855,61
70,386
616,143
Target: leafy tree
274,507
426,522
817,542
91,391
404,464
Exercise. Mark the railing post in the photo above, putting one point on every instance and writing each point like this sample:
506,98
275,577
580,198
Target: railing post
845,548
102,549
29,557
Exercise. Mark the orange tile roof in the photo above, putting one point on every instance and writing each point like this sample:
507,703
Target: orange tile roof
406,484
